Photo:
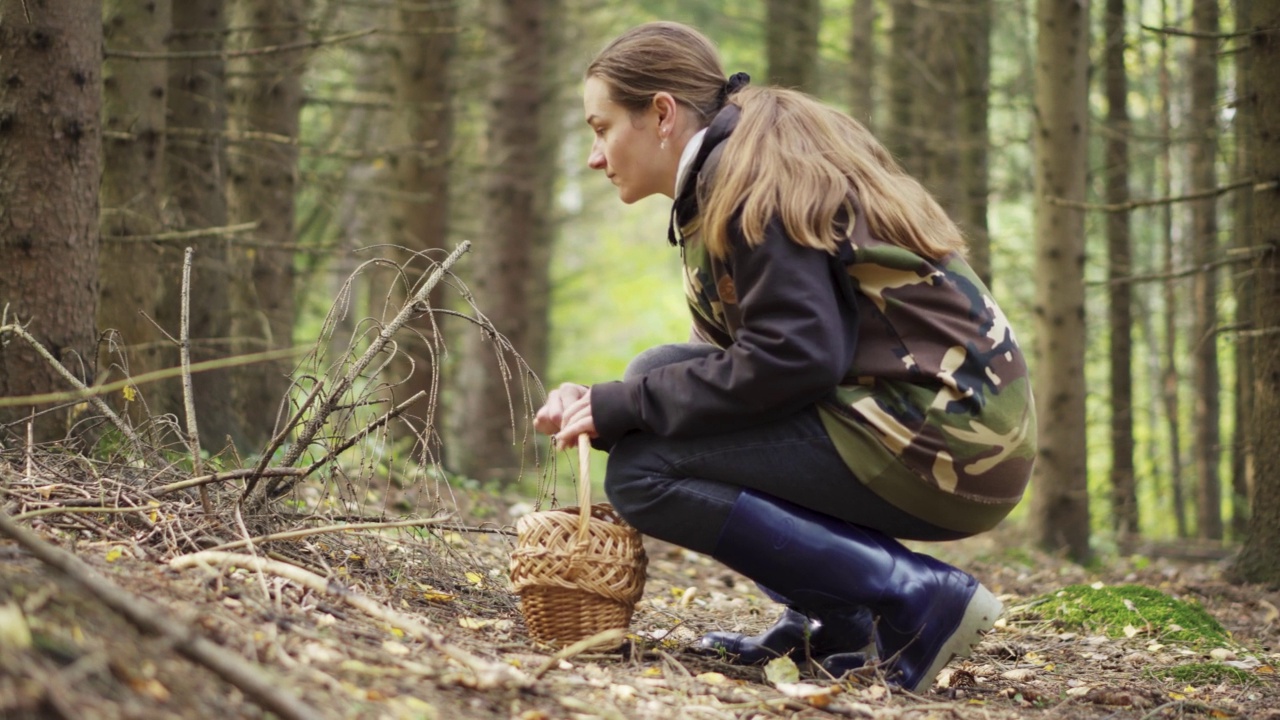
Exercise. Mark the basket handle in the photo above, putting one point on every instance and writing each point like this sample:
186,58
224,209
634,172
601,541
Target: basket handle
584,487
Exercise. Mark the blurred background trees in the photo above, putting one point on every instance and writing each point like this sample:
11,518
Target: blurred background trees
323,157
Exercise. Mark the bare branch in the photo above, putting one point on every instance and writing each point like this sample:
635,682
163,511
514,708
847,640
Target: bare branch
487,675
330,529
1202,35
255,681
183,235
228,54
188,394
1134,204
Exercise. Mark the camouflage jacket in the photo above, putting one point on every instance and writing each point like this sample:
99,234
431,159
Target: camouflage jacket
934,412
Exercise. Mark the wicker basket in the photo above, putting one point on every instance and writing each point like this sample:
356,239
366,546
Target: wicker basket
578,570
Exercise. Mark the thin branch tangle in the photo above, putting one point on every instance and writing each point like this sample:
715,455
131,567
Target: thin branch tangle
228,54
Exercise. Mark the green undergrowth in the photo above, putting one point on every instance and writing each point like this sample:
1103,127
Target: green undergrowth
1203,673
1128,610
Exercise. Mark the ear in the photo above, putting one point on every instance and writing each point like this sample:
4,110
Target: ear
665,105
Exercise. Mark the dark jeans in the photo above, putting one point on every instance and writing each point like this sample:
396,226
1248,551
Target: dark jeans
682,489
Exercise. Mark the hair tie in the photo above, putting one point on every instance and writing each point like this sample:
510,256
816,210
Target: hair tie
736,82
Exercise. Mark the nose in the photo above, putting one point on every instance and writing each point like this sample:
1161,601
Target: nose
595,160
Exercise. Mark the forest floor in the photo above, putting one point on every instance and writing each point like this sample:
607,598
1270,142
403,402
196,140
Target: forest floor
421,623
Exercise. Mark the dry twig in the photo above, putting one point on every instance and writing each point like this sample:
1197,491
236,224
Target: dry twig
250,678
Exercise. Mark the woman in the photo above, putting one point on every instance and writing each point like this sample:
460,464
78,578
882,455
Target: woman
849,381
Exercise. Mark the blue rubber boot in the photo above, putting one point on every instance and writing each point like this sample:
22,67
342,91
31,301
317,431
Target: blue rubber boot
927,612
800,637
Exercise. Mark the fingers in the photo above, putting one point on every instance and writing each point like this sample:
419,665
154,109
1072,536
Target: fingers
550,417
576,420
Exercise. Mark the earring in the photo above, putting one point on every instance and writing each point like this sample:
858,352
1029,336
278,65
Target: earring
662,145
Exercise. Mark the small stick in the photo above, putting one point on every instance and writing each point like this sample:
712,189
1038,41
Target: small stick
66,374
64,510
307,532
188,395
391,414
183,235
488,675
223,476
251,678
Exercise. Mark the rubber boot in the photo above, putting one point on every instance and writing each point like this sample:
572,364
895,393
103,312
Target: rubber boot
927,612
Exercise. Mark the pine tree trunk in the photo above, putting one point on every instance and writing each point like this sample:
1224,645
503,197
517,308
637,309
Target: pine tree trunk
1242,468
862,61
901,134
791,39
510,259
1205,377
1259,559
1124,495
1061,499
1170,374
133,148
421,71
267,99
973,86
50,149
196,173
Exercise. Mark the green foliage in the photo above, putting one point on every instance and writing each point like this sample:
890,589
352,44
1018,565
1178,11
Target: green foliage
1110,609
1205,673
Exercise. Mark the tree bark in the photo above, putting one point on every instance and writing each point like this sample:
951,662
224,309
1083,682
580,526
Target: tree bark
510,272
262,187
972,73
791,40
1061,498
50,149
421,69
1204,242
1259,559
133,147
901,134
1242,467
196,173
1124,494
862,59
1170,375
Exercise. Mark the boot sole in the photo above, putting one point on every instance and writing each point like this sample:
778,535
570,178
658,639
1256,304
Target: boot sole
980,615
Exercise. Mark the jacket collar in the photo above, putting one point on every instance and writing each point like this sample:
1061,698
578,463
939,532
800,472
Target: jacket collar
685,208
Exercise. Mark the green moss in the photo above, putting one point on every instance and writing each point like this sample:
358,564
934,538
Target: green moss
1109,609
1207,673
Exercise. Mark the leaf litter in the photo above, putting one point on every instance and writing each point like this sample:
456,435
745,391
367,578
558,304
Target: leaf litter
1133,639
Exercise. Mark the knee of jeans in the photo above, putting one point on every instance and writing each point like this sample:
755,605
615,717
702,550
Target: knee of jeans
630,486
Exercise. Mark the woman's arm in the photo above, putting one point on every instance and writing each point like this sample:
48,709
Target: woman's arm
796,342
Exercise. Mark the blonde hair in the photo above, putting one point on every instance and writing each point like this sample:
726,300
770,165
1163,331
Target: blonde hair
662,57
793,157
790,156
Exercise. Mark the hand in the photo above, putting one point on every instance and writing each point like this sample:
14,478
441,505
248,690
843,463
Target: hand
575,421
551,415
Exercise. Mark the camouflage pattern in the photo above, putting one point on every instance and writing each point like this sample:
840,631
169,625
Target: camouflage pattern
936,414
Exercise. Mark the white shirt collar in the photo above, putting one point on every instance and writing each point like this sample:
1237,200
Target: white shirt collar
686,158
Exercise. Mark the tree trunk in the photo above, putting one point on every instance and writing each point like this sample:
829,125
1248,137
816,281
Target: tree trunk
901,135
509,271
1242,475
421,70
133,147
791,39
196,172
1204,333
1124,494
1061,499
263,182
1170,375
862,59
1259,559
972,73
51,152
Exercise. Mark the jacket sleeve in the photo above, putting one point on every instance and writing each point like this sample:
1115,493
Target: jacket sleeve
795,344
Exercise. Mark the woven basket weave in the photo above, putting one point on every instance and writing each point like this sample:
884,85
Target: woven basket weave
578,570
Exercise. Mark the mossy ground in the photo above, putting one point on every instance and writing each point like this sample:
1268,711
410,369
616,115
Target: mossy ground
1117,610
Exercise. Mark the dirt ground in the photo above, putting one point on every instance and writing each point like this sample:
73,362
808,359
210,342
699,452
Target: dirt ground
468,655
